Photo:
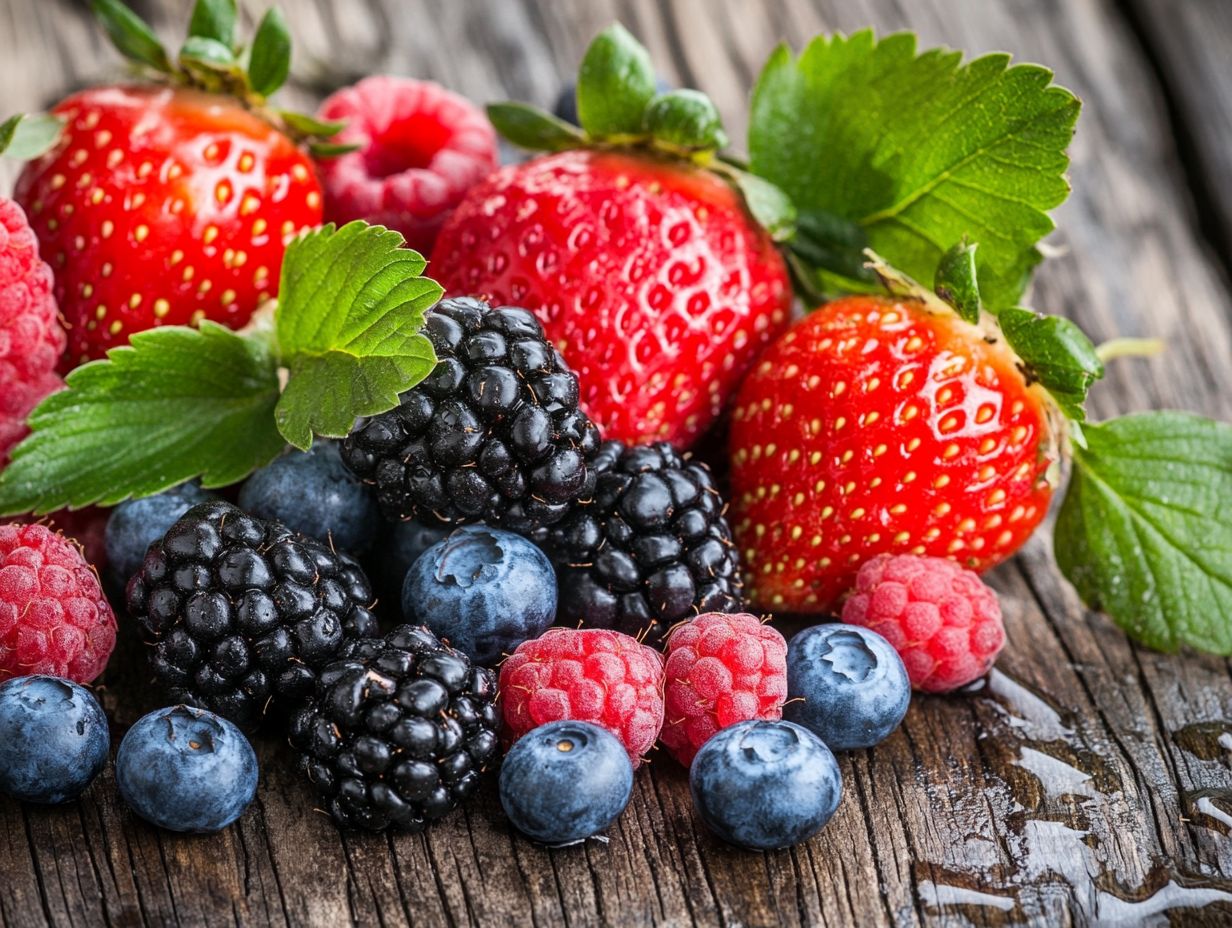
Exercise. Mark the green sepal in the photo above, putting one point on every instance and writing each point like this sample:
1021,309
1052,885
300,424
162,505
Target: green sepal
615,83
766,203
25,137
214,19
131,35
956,281
269,61
534,129
685,122
210,54
332,149
829,243
1057,353
305,124
1145,531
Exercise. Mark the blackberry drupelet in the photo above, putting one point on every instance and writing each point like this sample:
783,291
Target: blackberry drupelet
494,433
651,549
242,612
399,732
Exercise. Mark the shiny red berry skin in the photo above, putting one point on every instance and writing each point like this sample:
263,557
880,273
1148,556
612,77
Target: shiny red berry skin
649,275
163,206
878,426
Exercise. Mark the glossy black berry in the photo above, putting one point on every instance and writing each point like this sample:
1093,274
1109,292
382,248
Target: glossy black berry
493,434
399,731
241,613
651,548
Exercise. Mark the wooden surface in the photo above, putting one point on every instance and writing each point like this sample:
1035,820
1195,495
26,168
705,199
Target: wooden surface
1087,781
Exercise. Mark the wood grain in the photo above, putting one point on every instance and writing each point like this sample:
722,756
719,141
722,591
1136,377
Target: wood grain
1077,785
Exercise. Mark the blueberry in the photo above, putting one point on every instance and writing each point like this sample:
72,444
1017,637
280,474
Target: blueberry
186,770
846,684
565,781
765,785
483,589
53,739
134,525
313,493
566,104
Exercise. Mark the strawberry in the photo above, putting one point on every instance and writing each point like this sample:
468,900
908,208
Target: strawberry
165,205
638,253
649,275
884,425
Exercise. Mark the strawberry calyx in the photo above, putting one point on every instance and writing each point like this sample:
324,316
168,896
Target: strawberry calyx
1051,351
211,60
619,107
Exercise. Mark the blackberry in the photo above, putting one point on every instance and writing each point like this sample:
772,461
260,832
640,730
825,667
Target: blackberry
399,732
242,612
651,549
494,433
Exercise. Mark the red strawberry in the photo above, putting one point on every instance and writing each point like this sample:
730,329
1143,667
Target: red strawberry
881,425
163,206
650,275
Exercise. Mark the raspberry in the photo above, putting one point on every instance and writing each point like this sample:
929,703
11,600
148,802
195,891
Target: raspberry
54,618
85,527
31,339
721,669
941,618
421,149
587,675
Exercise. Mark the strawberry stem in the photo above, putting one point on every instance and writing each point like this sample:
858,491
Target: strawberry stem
1129,348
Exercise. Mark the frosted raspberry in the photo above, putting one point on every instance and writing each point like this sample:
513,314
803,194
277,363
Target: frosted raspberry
721,669
421,149
941,618
54,618
31,339
590,675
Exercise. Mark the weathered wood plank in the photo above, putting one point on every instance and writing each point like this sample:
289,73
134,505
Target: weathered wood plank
1060,792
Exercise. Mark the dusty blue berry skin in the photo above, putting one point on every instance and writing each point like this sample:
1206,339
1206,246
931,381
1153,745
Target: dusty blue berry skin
765,785
565,781
186,770
313,493
53,739
484,590
136,524
846,684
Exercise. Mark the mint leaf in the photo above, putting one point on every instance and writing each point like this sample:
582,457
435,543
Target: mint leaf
956,281
214,19
1145,533
131,35
684,121
615,83
918,149
270,60
176,404
26,137
531,128
1057,353
351,306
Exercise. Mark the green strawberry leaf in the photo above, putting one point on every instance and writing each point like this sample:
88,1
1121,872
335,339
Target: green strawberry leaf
1145,532
956,281
834,246
269,62
131,35
533,129
351,307
684,122
26,137
615,83
919,149
214,19
177,403
1057,353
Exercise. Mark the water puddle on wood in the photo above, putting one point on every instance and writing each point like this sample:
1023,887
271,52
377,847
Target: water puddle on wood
1071,837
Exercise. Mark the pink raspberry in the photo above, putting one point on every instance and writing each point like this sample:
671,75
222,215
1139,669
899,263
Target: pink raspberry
31,339
941,618
421,149
54,618
87,527
721,669
589,675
